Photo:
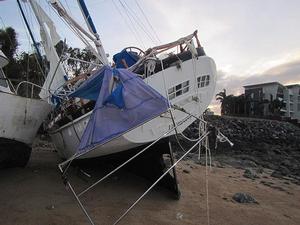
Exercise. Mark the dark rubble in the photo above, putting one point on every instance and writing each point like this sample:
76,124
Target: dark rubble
257,143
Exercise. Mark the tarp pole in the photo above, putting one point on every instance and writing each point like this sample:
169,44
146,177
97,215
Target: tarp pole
133,157
165,173
113,171
79,203
76,197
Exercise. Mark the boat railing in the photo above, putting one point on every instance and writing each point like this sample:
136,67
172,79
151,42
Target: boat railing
154,51
32,87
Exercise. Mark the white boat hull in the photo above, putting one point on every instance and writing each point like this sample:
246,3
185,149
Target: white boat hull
194,101
20,118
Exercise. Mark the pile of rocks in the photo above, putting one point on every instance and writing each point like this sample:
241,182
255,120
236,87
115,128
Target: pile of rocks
267,143
257,130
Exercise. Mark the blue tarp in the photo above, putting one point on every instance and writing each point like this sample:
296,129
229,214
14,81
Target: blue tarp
124,102
129,56
91,88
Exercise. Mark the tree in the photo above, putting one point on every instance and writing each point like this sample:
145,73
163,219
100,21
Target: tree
9,45
74,66
275,107
221,96
26,67
9,42
22,66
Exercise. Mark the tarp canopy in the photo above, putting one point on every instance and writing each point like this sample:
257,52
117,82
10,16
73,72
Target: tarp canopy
130,58
124,102
90,89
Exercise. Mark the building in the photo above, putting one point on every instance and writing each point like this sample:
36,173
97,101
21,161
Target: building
293,101
273,99
260,98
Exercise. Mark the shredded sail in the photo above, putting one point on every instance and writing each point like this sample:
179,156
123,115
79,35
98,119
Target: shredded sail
124,101
56,76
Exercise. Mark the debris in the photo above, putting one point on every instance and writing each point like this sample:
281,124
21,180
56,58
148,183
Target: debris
243,198
179,216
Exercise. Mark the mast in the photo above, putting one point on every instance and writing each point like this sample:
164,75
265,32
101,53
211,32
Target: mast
56,76
92,28
88,18
95,37
30,32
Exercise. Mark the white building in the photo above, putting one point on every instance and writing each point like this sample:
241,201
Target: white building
293,101
290,95
259,97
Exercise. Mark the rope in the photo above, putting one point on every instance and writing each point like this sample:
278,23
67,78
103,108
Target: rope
206,183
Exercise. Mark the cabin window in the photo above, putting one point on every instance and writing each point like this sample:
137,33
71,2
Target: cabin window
178,90
203,81
3,82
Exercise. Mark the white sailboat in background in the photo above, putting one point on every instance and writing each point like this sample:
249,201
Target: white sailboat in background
20,119
186,78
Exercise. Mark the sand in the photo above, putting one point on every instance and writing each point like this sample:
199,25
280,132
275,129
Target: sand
35,195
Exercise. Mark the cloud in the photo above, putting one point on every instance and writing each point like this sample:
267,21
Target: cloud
286,73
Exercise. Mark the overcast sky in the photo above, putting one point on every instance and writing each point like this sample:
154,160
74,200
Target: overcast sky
251,41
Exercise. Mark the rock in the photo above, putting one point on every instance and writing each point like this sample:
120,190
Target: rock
276,174
243,198
278,188
266,183
259,170
257,143
251,174
284,170
50,207
186,171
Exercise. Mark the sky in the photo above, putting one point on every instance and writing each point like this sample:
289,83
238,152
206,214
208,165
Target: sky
251,41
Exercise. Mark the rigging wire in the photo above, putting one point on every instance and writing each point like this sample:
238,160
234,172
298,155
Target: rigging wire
68,8
132,28
138,21
31,47
73,30
148,22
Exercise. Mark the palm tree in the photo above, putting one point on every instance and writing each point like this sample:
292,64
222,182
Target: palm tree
221,96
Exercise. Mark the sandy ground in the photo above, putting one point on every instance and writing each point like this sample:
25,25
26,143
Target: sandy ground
36,195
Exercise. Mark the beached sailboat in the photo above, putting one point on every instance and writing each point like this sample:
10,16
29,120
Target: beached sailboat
129,108
20,119
185,80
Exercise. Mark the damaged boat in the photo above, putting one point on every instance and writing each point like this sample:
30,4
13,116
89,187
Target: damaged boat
141,100
96,118
20,119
